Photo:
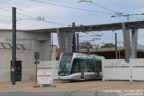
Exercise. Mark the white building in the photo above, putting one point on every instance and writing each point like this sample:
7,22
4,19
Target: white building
27,43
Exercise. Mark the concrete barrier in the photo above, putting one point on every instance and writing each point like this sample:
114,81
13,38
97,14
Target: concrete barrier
118,69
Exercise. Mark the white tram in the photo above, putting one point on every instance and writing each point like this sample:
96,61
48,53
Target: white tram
79,66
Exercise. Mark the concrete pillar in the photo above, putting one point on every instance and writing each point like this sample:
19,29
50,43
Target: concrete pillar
134,37
65,41
126,37
45,50
42,45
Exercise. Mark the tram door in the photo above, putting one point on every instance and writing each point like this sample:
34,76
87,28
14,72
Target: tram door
98,69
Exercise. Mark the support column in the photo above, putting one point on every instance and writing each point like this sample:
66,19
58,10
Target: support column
45,50
74,43
65,41
43,45
134,36
126,37
77,43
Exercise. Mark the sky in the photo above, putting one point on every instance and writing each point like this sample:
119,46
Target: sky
61,13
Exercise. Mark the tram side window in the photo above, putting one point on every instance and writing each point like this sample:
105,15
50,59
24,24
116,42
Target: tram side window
76,66
87,63
89,67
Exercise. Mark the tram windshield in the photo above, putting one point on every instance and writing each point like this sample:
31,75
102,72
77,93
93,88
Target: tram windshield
65,63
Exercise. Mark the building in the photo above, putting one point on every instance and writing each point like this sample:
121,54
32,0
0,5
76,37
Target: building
27,43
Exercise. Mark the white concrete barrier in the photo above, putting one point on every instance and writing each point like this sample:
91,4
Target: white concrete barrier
137,69
115,69
118,69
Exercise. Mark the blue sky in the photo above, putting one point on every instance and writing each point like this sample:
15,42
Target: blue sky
65,16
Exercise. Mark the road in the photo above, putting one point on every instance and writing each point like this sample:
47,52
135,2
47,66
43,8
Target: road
86,88
59,94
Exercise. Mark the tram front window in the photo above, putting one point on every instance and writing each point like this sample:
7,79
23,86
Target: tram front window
65,63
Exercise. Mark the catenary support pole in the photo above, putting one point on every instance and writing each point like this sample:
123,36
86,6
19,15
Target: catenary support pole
116,52
13,75
77,42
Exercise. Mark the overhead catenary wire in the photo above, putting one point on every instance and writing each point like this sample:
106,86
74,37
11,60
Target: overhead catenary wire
116,13
35,19
54,22
70,7
127,15
101,6
17,12
98,5
39,18
4,9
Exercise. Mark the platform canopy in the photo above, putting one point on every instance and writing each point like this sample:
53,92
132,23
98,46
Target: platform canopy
99,27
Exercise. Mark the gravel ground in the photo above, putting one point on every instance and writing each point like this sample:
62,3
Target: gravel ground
86,86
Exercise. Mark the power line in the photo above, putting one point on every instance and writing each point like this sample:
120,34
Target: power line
127,15
89,1
39,18
57,0
110,10
17,13
117,14
5,10
103,7
71,7
54,22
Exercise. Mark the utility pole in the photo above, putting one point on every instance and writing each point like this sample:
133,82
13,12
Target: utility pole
116,46
77,42
13,75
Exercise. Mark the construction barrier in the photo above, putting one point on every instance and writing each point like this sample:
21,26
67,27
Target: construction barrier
118,69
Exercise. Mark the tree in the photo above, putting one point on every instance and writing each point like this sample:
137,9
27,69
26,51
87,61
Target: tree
108,45
86,44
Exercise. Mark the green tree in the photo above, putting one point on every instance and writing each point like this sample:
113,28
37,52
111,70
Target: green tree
108,45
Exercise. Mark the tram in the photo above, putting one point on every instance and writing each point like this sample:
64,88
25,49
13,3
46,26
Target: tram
79,66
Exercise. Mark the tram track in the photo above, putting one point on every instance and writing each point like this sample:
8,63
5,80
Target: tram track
98,86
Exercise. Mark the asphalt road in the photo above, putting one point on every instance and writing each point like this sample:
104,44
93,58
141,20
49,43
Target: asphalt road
59,94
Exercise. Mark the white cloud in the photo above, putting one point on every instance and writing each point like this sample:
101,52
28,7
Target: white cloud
5,26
